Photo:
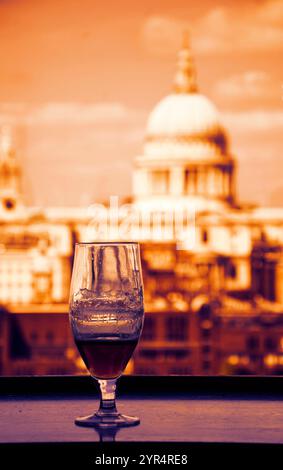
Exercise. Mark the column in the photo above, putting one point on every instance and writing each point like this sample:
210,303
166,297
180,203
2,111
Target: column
279,281
210,182
140,182
194,181
177,177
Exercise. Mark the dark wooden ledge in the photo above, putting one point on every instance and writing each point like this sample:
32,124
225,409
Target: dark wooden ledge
215,418
254,387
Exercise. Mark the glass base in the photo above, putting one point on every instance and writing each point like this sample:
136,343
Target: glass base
97,420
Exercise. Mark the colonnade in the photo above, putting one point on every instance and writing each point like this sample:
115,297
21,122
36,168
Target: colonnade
209,181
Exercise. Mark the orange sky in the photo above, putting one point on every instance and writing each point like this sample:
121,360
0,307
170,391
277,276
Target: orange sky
78,79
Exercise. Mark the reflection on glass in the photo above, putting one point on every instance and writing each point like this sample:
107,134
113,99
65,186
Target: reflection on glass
107,433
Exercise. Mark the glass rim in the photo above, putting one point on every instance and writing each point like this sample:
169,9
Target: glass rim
105,243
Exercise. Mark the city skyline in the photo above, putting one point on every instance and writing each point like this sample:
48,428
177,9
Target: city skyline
78,89
212,283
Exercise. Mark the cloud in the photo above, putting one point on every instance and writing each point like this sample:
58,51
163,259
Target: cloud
82,148
161,35
76,113
254,120
59,113
255,28
79,113
271,11
220,30
253,84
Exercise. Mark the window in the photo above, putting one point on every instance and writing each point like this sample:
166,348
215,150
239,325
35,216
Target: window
253,343
204,235
57,371
176,354
34,336
270,344
231,270
148,354
206,365
9,204
23,371
50,336
206,349
146,370
176,328
149,329
180,370
206,333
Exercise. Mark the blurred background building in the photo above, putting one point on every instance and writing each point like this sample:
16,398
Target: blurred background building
213,306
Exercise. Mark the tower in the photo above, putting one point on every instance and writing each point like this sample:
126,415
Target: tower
10,174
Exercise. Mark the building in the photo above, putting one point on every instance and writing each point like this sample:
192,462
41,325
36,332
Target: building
213,288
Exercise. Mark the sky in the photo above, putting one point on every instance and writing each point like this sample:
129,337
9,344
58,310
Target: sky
79,79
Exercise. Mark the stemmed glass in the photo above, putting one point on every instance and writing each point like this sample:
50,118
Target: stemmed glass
106,316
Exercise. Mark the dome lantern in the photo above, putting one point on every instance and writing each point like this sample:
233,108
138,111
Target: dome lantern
185,77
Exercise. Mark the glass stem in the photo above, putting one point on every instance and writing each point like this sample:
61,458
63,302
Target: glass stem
108,397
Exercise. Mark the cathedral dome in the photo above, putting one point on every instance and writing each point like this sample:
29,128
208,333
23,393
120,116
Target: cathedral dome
185,125
185,122
185,116
186,158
